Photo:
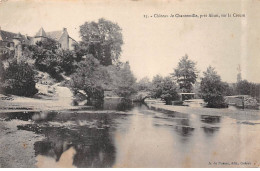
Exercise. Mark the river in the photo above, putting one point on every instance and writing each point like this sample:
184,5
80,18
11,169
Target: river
140,137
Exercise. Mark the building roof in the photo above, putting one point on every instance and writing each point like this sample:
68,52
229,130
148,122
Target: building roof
18,36
9,36
41,33
55,35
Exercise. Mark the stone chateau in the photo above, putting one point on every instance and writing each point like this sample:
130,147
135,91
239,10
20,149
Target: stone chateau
13,41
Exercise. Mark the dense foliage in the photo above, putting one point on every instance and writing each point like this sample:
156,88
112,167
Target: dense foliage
18,79
102,39
91,77
143,84
99,68
123,80
244,87
156,89
169,91
212,89
49,58
185,74
94,79
164,88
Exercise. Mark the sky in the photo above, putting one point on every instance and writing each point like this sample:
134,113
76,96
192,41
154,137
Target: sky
155,45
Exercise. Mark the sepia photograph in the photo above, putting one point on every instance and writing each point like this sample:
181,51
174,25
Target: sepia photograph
129,84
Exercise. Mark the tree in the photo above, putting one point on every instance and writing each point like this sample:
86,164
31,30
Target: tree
169,91
143,84
123,80
212,88
46,59
228,90
156,90
164,88
66,61
19,79
102,39
49,58
248,88
255,91
185,74
243,87
48,44
91,77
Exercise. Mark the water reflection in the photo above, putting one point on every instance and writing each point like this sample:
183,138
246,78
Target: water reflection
212,124
24,116
210,119
210,130
138,138
66,160
92,141
180,122
184,130
120,104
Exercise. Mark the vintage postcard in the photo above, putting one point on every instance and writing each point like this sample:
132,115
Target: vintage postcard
129,84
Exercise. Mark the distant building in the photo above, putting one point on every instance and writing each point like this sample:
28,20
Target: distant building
12,41
61,36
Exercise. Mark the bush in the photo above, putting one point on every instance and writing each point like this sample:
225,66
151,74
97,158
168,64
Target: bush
170,95
19,80
215,101
165,89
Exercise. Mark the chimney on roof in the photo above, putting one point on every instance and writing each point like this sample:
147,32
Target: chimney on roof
64,29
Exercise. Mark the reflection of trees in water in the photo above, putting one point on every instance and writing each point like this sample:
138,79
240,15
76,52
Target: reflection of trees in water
184,131
99,153
183,127
94,146
181,121
125,104
210,130
120,104
24,116
210,119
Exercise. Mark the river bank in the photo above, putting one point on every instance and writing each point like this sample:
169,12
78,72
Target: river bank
17,146
48,98
232,112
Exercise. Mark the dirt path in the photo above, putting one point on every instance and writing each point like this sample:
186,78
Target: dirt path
61,99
